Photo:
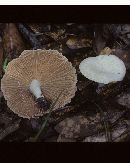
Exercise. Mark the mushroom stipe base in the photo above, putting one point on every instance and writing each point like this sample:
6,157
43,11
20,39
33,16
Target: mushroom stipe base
43,103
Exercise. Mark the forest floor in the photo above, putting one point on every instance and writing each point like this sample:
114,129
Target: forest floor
97,113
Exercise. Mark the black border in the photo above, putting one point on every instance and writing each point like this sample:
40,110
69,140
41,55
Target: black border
61,13
65,152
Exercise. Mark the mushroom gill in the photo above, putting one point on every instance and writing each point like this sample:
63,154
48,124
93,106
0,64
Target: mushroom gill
38,74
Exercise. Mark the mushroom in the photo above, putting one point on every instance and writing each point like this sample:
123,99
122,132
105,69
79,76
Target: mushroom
38,76
103,68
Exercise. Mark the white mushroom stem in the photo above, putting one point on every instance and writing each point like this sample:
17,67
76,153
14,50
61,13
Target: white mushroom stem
35,88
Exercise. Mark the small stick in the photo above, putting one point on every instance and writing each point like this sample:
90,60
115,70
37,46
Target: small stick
106,125
44,123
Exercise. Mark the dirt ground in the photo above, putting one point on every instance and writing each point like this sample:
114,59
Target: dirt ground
97,113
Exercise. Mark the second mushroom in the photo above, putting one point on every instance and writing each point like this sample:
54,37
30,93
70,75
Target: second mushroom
103,69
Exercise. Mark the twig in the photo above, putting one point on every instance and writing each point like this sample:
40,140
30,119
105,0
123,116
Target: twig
106,125
44,123
31,37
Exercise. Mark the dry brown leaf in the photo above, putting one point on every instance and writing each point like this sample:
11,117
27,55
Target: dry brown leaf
12,42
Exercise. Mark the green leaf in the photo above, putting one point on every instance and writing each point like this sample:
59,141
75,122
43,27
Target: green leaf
5,64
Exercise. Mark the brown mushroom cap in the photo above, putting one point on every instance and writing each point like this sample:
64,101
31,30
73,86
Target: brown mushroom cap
50,68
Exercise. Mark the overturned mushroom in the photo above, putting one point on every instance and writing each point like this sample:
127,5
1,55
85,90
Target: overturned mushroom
103,68
35,80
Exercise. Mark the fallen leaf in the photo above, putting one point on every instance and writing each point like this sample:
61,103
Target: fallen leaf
78,126
12,42
75,42
124,99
